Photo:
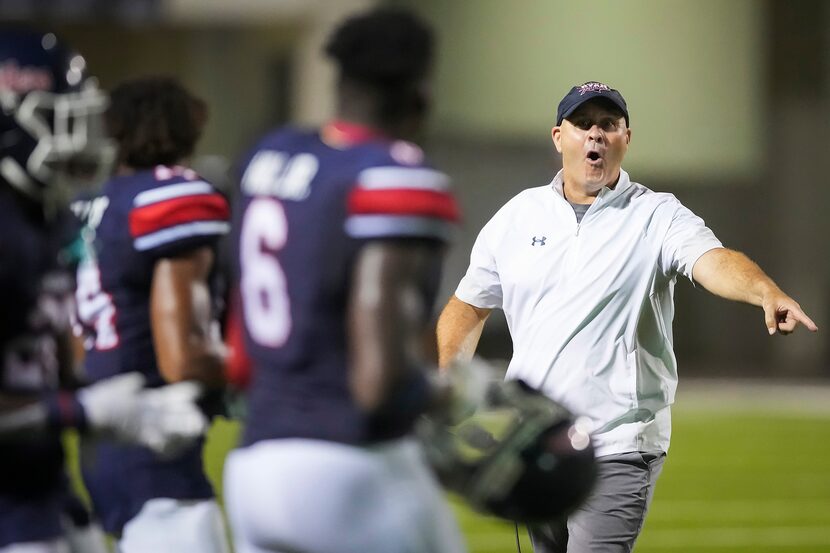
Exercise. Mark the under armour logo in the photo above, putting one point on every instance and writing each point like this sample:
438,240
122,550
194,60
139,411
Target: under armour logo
540,241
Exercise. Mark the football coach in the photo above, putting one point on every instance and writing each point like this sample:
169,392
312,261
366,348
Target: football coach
584,269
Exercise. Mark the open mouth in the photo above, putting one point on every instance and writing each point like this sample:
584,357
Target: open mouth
594,156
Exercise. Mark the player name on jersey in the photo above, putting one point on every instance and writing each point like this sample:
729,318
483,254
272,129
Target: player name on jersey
272,173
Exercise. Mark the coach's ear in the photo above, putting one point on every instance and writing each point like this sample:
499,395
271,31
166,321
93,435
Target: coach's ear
556,136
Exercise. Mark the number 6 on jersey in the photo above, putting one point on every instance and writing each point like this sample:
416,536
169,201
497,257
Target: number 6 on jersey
263,287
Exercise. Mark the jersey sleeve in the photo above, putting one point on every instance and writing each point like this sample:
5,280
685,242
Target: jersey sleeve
687,239
397,201
481,285
176,217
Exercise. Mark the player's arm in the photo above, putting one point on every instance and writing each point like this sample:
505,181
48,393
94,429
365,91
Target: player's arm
21,416
180,313
164,419
30,414
459,330
387,317
732,275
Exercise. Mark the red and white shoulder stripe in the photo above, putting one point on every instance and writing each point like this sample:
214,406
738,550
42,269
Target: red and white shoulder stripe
164,215
397,201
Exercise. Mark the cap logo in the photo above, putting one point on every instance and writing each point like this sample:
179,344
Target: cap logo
592,87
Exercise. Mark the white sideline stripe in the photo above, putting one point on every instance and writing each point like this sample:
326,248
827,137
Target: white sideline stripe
663,539
172,191
752,396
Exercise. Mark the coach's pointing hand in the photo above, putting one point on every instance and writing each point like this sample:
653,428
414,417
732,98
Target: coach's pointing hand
782,313
732,275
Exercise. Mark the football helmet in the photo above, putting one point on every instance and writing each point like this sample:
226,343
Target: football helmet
521,456
51,117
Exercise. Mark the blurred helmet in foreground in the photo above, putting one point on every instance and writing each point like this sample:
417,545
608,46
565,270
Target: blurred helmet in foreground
51,117
521,456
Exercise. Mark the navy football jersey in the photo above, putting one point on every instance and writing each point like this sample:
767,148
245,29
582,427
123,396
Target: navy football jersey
135,221
309,201
35,314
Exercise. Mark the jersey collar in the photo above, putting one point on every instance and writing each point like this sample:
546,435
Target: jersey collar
342,134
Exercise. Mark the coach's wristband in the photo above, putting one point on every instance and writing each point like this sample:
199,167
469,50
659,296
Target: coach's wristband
63,410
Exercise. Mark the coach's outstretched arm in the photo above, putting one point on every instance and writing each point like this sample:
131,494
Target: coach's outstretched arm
732,275
459,330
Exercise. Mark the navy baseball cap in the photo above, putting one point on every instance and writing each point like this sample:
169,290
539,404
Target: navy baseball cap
580,94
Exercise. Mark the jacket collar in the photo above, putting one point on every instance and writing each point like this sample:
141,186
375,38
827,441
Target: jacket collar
606,194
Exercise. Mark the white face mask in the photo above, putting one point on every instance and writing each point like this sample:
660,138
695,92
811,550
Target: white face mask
71,148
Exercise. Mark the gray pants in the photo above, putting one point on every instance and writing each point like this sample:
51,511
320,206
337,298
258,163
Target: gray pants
611,518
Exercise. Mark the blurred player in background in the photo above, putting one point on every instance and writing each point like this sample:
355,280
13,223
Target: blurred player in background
144,297
340,233
584,269
50,124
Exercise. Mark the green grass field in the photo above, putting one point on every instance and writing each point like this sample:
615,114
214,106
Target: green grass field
744,475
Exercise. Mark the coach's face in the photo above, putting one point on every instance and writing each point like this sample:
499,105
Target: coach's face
593,141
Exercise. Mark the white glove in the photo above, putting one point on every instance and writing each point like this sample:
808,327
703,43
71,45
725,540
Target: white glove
166,419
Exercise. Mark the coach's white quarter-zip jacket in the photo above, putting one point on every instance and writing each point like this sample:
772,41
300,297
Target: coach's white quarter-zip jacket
590,305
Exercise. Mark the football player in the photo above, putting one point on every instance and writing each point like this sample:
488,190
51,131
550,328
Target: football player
340,233
50,127
144,297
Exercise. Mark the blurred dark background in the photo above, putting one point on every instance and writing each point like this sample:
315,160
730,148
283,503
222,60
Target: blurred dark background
729,101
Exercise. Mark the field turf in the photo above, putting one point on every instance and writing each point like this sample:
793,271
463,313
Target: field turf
747,473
